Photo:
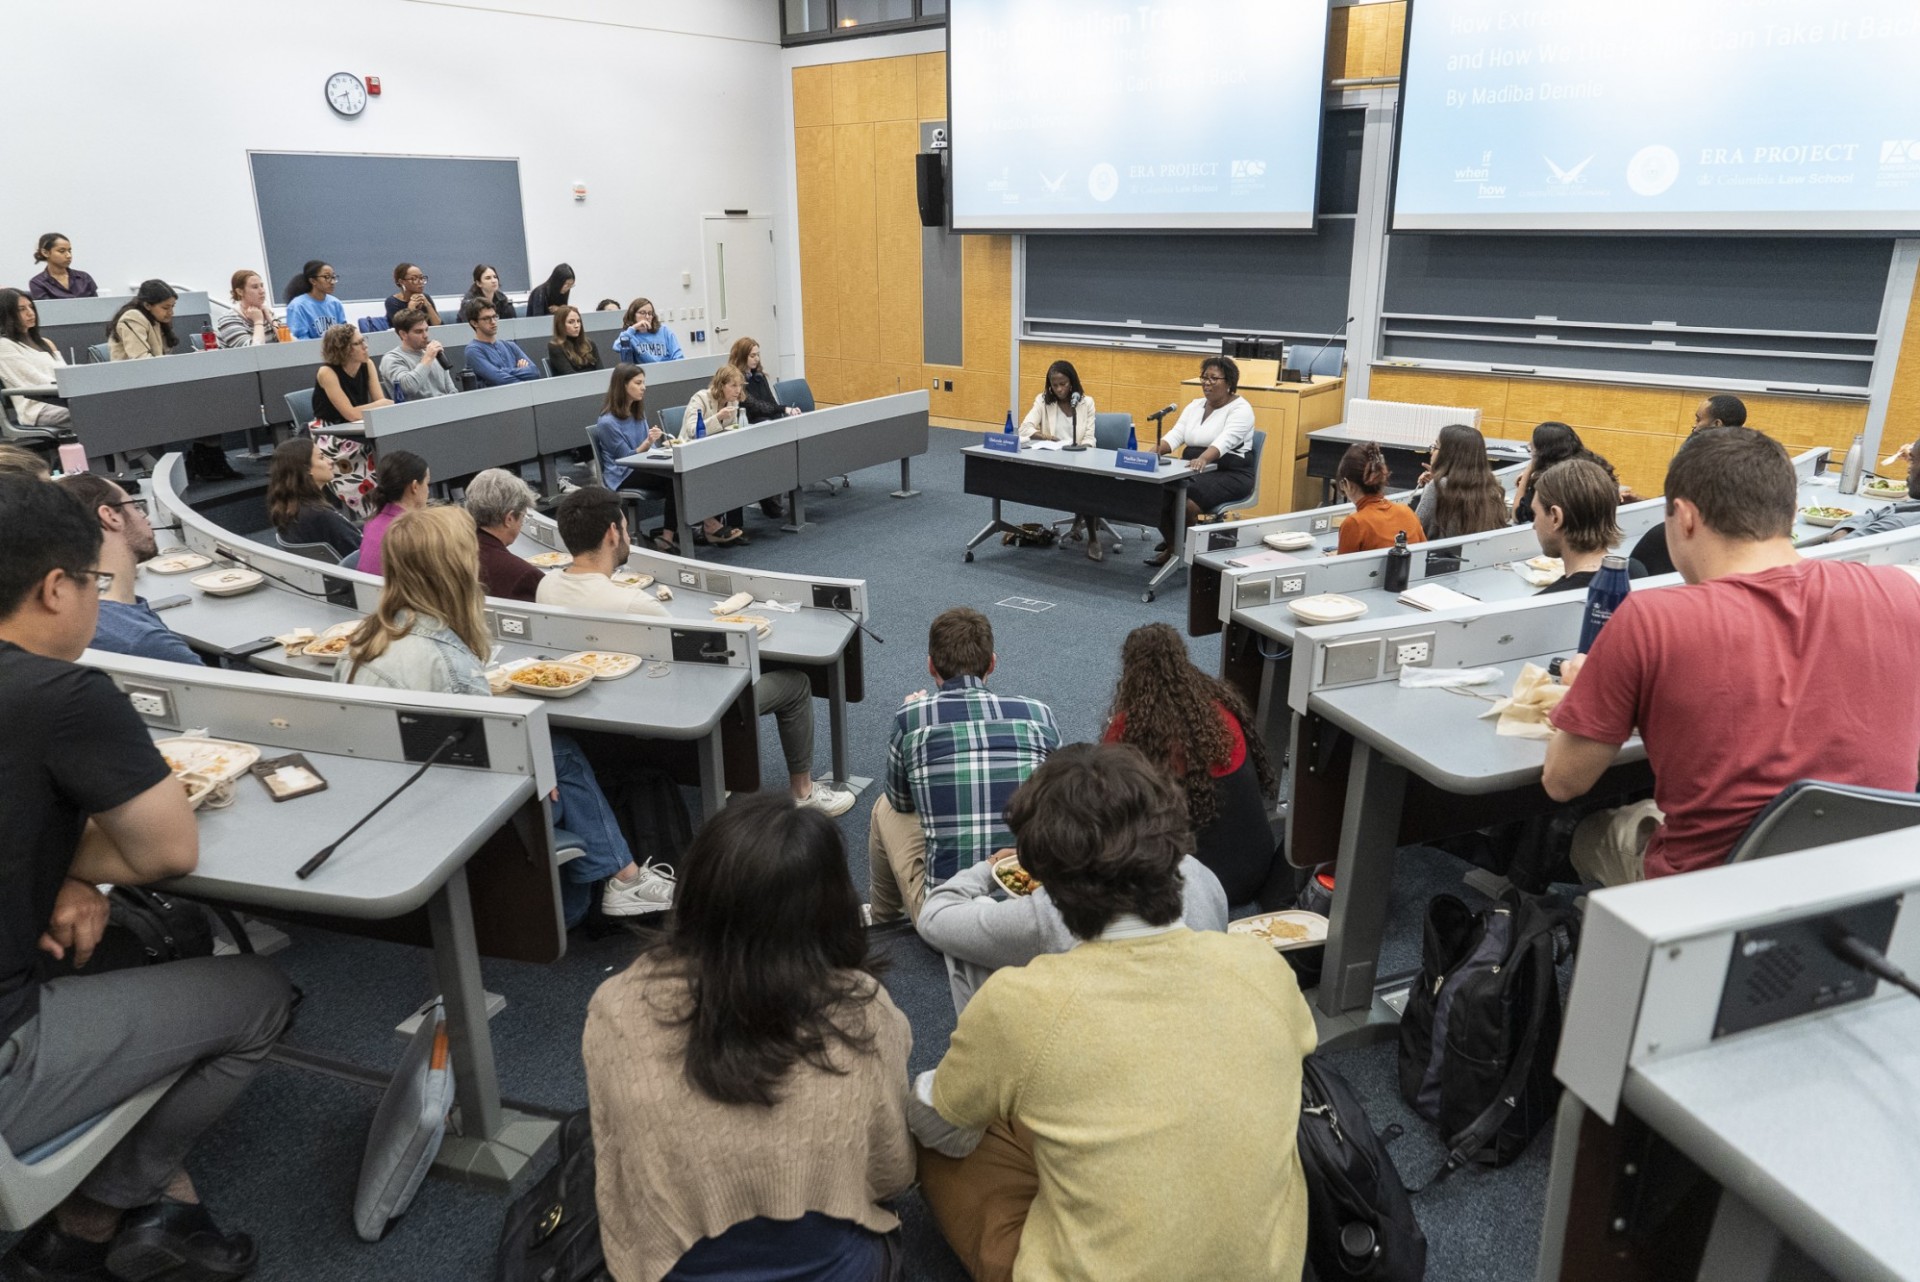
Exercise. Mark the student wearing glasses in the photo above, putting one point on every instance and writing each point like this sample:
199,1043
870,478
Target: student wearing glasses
311,306
127,624
410,292
645,340
1215,429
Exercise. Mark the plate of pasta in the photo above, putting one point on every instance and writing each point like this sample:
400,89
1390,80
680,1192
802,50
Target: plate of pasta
1287,929
550,680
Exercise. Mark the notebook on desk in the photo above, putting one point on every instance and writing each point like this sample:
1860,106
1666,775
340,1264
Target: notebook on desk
1434,596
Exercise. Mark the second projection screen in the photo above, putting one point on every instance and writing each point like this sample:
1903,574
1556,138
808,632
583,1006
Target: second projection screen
1661,115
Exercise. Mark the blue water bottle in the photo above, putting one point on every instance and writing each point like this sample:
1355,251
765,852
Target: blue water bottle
699,425
1008,429
1133,442
1604,595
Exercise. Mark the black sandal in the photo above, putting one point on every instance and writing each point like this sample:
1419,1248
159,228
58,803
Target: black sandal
733,536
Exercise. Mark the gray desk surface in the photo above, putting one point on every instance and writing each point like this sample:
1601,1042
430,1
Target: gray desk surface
1498,448
808,636
687,703
248,851
1089,460
1437,734
1820,1135
1490,583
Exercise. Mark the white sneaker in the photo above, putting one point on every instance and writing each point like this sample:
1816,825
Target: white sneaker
826,800
650,892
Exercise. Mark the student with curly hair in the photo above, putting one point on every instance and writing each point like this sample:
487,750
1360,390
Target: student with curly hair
1196,728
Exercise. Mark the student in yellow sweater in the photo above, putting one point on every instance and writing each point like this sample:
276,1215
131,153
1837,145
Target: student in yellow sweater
1126,1109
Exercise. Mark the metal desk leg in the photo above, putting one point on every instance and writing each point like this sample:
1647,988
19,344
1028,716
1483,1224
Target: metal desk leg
1363,874
495,1144
1176,546
906,490
688,521
549,474
796,510
993,527
713,775
837,726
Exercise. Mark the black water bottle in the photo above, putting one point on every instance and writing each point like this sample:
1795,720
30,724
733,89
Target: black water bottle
1399,564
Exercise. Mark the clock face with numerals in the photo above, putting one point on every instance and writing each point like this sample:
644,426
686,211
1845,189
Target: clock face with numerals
346,94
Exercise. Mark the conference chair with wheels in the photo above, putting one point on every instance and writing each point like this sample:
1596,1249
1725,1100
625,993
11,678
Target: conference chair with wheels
1220,511
1811,813
44,441
671,419
1322,363
597,475
373,324
100,352
1110,432
38,1179
351,561
312,551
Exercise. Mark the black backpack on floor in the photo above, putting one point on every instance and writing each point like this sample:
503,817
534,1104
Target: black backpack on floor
1360,1223
1482,1024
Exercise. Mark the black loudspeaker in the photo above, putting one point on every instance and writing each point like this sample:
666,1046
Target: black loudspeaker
930,182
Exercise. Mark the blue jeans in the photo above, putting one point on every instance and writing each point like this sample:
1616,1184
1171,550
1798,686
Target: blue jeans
583,811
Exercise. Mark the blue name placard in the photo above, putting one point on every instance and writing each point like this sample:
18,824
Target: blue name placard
1002,442
1136,461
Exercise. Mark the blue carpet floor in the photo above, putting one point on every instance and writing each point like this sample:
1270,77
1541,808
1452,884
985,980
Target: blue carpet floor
284,1161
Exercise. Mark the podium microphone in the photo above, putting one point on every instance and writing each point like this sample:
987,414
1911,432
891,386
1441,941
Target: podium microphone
1308,372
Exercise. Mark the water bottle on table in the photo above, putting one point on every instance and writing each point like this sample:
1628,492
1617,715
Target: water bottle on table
1604,595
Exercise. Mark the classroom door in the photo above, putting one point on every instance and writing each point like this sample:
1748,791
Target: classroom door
740,279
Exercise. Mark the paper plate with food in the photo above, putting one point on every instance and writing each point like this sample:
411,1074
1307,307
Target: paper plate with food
1540,571
1287,929
759,623
550,560
1826,515
218,760
1014,879
550,680
178,563
327,649
632,578
606,665
1885,489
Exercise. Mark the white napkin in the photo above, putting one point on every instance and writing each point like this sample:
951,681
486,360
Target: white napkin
1524,714
1441,678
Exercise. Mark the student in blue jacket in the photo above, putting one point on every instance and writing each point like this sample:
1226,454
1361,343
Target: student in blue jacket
495,361
645,339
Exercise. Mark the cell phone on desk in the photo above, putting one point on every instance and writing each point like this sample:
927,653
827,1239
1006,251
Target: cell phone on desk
168,602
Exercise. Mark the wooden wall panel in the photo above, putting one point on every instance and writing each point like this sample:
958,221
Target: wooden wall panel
856,282
931,68
812,96
1903,405
1365,40
813,167
897,243
1637,429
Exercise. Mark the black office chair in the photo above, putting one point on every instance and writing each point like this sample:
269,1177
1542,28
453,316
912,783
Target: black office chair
44,441
1811,813
1221,511
312,551
628,498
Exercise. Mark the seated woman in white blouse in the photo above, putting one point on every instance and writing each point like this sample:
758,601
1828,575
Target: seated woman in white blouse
1218,429
1065,413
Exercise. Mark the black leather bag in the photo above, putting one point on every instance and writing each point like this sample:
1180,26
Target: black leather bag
1482,1023
552,1231
1360,1222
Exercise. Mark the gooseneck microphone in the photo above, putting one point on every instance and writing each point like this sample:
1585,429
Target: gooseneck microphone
1308,371
1158,415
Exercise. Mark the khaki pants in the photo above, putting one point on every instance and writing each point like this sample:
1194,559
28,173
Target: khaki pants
1610,846
981,1201
897,862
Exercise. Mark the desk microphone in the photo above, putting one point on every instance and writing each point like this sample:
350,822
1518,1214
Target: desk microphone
877,638
1158,415
1308,371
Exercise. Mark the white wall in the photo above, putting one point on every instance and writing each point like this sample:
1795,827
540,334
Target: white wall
138,116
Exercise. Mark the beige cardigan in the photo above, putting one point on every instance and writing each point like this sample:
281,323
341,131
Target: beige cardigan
704,402
675,1166
135,337
1053,419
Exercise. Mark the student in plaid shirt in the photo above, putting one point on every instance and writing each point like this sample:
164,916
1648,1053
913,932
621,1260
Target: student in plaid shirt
956,758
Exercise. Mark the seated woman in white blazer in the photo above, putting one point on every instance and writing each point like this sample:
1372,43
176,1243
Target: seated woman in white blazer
1064,413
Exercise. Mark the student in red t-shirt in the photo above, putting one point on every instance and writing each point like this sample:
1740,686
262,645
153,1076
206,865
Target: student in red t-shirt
1763,670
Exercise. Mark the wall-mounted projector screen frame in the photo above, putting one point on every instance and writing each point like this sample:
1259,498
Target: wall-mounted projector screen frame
364,213
1649,116
1222,131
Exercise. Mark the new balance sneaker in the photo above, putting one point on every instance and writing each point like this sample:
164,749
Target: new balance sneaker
827,800
650,892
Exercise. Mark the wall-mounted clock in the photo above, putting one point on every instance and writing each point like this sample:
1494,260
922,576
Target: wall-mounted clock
346,94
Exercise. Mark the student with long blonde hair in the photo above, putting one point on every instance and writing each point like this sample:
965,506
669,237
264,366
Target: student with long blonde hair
429,633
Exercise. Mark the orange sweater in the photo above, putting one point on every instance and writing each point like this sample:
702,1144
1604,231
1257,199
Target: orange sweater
1374,523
